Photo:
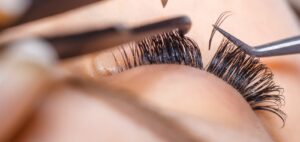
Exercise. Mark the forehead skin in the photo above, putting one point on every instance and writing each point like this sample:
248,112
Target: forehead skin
253,21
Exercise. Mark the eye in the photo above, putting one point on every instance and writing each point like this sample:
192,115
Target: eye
251,78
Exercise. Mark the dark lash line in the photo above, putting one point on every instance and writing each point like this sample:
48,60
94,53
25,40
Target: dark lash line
270,96
252,79
167,48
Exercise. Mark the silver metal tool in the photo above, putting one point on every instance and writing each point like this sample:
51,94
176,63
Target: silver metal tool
282,47
97,40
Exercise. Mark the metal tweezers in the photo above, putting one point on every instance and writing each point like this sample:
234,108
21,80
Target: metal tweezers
97,40
78,44
282,47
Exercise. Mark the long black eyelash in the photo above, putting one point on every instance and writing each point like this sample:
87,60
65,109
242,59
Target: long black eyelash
251,78
219,22
167,48
246,74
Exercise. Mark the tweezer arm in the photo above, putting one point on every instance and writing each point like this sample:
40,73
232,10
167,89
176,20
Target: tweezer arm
77,44
83,43
277,48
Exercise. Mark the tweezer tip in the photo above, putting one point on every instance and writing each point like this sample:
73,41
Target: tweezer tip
186,24
224,33
231,38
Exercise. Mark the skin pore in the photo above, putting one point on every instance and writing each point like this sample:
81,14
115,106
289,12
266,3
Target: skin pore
206,106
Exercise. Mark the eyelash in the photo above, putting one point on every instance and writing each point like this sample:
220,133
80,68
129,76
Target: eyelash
167,48
252,79
249,76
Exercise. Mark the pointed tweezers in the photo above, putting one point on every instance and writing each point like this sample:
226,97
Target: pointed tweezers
282,47
88,42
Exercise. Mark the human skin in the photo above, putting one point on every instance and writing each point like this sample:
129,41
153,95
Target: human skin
254,15
219,111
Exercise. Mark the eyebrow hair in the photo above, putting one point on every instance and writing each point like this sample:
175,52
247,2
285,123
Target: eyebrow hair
252,79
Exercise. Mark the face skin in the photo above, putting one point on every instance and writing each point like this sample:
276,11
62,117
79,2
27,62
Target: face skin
190,92
201,103
190,112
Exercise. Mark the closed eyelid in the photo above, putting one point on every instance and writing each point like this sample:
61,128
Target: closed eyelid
189,92
229,64
246,74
